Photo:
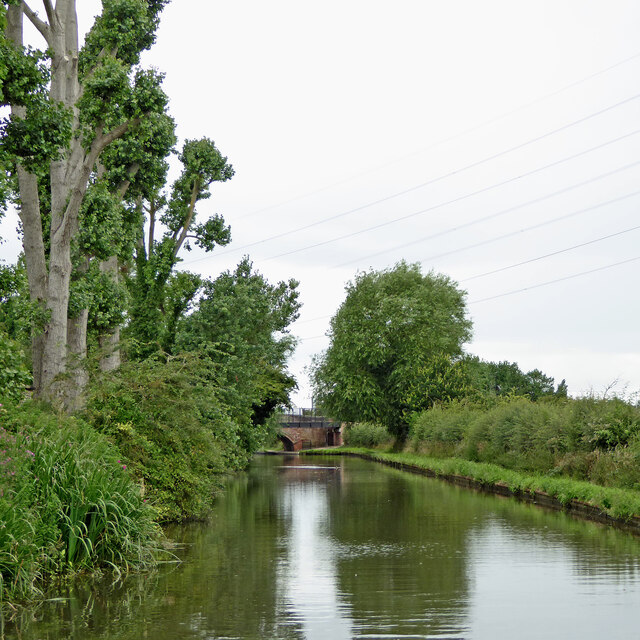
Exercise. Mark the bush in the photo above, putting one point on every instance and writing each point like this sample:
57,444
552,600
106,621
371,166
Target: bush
14,374
67,502
588,439
172,430
366,434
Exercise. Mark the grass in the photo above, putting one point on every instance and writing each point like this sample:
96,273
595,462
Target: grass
67,504
620,504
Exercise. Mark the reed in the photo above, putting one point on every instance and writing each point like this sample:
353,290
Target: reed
67,504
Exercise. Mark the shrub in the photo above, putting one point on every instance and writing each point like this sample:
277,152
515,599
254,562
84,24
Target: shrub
588,438
173,431
14,374
67,502
366,434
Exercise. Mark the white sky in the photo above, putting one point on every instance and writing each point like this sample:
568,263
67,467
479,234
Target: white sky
328,107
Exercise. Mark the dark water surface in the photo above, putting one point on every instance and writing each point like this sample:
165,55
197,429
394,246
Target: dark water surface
333,549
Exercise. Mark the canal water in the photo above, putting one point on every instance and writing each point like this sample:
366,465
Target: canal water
332,549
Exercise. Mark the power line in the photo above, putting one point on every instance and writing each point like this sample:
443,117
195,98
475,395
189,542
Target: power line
423,184
554,253
459,199
444,140
532,227
491,216
536,259
544,284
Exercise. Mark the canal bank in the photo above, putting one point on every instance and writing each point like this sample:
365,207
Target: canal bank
612,506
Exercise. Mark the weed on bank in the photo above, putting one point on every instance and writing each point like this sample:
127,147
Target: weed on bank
67,503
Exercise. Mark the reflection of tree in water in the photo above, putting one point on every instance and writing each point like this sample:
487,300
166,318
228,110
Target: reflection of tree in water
401,556
591,548
403,545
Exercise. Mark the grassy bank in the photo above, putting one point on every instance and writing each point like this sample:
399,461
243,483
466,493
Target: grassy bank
67,504
618,504
87,493
572,451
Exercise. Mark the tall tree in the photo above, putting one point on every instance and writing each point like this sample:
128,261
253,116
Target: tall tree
99,96
395,332
159,298
242,321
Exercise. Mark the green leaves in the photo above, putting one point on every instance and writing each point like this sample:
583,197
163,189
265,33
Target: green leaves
124,29
245,318
393,341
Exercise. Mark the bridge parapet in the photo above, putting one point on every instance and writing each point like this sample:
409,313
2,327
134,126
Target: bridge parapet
299,431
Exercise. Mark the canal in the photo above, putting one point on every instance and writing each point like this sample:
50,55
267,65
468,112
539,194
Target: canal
333,548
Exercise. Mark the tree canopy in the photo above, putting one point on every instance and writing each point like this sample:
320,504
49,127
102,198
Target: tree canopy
394,344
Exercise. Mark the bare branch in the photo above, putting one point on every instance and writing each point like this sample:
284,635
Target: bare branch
40,25
48,7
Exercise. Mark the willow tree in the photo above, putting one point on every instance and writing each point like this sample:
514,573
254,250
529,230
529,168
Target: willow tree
395,341
92,98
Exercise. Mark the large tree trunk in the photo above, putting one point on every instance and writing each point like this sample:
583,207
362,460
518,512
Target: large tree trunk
52,285
78,375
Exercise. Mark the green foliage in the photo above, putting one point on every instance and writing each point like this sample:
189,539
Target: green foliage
37,134
174,432
125,28
366,434
16,318
245,318
67,502
154,292
588,438
394,346
139,158
102,228
14,373
506,378
17,313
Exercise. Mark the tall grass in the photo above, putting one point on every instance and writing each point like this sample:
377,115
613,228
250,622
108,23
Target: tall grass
366,434
586,439
67,503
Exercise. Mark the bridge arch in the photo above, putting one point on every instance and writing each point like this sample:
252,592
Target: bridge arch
289,444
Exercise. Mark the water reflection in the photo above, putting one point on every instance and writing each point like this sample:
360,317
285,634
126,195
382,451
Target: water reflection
307,575
348,549
539,582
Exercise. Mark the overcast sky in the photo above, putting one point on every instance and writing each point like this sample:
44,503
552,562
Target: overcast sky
470,137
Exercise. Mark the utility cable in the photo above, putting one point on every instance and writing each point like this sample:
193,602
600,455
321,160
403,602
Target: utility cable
459,199
511,234
544,284
426,183
553,253
535,286
497,214
438,143
536,259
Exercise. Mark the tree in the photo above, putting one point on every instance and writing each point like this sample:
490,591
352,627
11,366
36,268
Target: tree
160,298
392,324
62,121
241,321
504,378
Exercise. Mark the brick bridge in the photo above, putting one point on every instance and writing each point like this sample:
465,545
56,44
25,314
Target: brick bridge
306,430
